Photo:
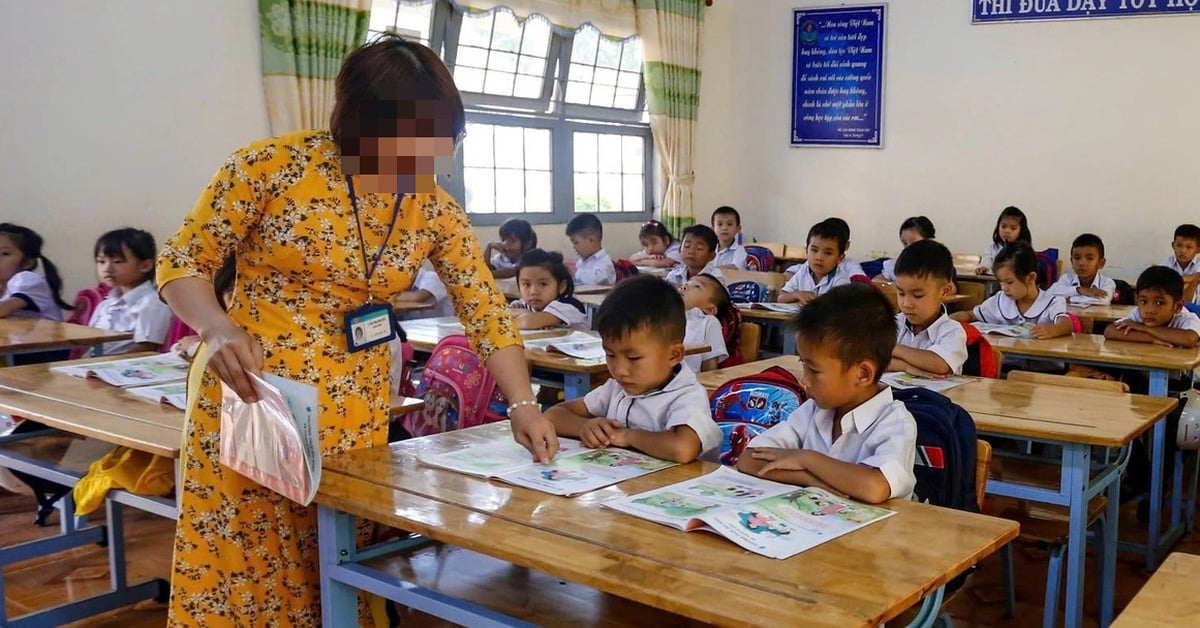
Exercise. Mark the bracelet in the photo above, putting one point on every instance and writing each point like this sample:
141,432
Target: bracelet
518,404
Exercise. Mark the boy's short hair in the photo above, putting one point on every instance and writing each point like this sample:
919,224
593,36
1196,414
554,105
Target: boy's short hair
854,322
642,301
926,258
1188,231
1088,240
726,210
1163,279
830,229
585,225
704,232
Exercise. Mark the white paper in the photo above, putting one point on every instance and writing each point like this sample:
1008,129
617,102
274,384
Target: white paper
577,344
908,380
143,371
174,394
1014,331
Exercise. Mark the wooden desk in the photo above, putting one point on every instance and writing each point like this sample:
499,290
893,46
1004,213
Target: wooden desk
862,579
402,307
1103,313
1168,599
512,292
966,272
653,270
404,405
712,380
25,335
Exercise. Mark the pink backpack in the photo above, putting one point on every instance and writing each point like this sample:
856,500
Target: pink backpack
458,391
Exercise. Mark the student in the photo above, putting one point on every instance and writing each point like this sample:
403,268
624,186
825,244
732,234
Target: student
516,237
850,436
847,267
698,251
704,296
820,273
125,260
594,267
426,288
928,341
727,223
1085,285
659,248
1019,300
1186,244
1011,226
653,402
26,293
913,229
1159,317
547,294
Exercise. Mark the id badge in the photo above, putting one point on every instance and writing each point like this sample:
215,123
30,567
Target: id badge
369,325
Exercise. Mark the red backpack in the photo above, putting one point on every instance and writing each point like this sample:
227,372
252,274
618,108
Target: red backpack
746,406
458,391
981,361
625,269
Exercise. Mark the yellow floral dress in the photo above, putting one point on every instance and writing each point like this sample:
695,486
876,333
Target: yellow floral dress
244,556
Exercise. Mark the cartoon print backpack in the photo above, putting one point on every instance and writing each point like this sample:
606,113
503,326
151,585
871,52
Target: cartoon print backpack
458,391
746,406
625,269
759,258
981,361
747,292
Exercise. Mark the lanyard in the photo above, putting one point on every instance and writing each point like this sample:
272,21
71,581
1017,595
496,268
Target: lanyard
358,223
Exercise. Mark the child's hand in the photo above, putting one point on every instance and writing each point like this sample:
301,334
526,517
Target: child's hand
1125,326
598,432
1042,331
804,297
983,270
782,459
1092,292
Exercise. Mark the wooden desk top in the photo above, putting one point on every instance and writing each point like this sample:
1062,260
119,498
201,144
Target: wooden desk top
966,272
1168,599
404,405
712,380
511,291
1103,313
1095,348
24,334
400,307
861,579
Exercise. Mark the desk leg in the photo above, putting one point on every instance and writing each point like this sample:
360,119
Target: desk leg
336,543
576,385
789,340
1108,552
1158,388
1075,465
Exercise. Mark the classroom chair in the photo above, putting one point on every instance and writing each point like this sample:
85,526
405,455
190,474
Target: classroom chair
1046,524
750,341
86,302
976,292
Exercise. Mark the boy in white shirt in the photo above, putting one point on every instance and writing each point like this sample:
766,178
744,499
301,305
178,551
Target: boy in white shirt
1085,286
427,288
1160,317
125,260
653,402
698,251
928,341
850,436
847,267
1186,244
826,250
704,296
727,223
594,267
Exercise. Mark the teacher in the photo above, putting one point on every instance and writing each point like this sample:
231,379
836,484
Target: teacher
326,226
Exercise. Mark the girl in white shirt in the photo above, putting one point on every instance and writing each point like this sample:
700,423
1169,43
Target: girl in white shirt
1019,300
1011,226
547,291
26,293
659,248
125,260
913,229
516,238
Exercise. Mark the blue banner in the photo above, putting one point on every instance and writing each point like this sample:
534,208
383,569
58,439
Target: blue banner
837,76
1020,10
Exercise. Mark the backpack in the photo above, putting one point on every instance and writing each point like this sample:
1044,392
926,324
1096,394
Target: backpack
1124,294
759,258
746,292
945,462
458,391
981,361
731,332
873,267
625,269
1047,268
745,407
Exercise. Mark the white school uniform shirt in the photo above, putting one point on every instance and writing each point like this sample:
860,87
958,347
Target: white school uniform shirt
803,281
735,255
703,329
138,311
889,270
570,315
945,337
679,275
500,260
989,255
879,433
1185,319
847,268
427,279
1002,310
32,288
683,401
596,270
672,253
1192,268
1068,285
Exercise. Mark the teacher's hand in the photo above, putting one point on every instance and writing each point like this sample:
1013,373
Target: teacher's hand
535,432
233,354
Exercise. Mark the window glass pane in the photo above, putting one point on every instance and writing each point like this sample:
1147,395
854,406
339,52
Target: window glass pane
585,192
498,83
537,38
602,95
533,66
608,55
468,79
537,192
583,50
585,152
528,86
581,73
605,76
610,153
537,149
506,34
471,56
626,98
510,190
480,191
628,80
510,147
503,61
635,191
631,56
477,146
415,18
610,192
383,15
476,31
632,154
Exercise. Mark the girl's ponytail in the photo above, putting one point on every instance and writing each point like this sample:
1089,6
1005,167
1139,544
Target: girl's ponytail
55,281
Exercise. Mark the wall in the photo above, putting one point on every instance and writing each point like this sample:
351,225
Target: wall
1086,125
117,114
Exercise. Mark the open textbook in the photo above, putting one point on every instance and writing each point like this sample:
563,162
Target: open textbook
174,393
275,440
574,471
1016,331
769,518
577,344
786,308
142,371
908,380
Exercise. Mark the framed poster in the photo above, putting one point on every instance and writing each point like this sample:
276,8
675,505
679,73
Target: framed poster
837,76
983,11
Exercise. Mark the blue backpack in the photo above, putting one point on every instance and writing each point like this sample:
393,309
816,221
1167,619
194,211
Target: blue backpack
746,292
759,258
945,465
745,407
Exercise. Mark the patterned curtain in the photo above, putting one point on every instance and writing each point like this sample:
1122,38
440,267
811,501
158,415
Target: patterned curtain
614,18
670,32
303,44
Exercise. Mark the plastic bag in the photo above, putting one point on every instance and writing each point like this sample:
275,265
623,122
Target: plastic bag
1187,435
266,442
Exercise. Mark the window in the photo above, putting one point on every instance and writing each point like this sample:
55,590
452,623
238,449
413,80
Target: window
556,120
